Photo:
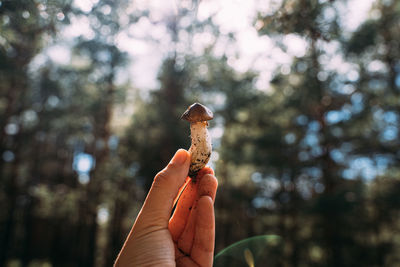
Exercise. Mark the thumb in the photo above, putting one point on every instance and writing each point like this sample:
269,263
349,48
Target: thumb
165,187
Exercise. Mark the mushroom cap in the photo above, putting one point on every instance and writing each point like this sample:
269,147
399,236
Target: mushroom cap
197,112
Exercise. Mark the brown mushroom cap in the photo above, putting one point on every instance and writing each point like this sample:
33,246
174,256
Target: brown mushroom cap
197,112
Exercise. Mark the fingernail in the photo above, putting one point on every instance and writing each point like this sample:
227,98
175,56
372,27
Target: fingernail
179,157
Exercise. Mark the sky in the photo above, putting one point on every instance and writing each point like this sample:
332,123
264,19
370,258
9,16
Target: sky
238,17
148,43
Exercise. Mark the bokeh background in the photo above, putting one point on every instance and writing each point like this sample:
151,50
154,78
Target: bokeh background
306,96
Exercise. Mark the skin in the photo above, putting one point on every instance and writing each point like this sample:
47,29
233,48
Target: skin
186,238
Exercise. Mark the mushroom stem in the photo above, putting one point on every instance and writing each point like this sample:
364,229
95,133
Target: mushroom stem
200,149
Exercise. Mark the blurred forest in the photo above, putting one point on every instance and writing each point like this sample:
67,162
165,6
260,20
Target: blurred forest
310,155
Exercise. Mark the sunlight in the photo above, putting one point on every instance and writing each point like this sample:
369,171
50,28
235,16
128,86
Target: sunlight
355,13
296,46
80,26
234,16
102,215
83,163
377,66
230,16
85,5
133,46
60,54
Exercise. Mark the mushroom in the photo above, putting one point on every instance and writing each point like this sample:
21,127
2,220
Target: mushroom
200,149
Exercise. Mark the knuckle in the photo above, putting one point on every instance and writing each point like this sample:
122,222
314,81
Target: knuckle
210,179
161,177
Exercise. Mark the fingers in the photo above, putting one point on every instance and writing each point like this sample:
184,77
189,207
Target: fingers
158,204
207,186
180,217
178,220
183,260
203,245
204,171
185,240
181,189
186,262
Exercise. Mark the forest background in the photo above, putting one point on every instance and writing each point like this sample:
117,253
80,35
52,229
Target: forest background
306,96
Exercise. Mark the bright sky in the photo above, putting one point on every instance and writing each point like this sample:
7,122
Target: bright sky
148,42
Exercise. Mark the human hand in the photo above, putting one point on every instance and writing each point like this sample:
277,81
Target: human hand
186,238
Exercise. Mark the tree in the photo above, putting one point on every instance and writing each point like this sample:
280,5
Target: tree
53,114
23,31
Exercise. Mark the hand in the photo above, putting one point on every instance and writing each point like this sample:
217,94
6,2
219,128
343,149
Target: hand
185,239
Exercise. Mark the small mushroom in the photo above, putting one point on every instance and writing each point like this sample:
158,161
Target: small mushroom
200,149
